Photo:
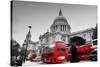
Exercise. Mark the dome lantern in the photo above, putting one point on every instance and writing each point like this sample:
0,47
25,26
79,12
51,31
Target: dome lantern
60,13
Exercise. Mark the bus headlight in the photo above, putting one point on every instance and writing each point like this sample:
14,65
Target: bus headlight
61,57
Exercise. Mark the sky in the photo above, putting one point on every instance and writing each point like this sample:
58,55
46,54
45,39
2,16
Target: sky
41,15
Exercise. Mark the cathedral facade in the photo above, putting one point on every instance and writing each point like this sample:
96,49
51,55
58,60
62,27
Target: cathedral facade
60,30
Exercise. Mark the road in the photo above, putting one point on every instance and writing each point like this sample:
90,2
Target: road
29,63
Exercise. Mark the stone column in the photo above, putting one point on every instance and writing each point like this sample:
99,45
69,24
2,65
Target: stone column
65,27
62,27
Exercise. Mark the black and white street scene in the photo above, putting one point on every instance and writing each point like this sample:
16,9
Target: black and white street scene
52,33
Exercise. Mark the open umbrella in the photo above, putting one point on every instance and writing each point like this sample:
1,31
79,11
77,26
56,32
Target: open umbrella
79,40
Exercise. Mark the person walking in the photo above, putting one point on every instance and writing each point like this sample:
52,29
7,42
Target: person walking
76,41
74,53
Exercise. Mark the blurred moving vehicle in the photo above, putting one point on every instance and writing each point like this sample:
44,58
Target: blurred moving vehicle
84,51
88,52
33,57
85,57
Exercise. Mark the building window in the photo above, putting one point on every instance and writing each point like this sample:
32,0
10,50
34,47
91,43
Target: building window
84,35
58,37
56,27
95,42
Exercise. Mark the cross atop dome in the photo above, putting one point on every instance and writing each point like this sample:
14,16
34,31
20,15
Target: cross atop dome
60,13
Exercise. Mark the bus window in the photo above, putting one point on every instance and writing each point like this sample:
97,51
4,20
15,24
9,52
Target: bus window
48,49
60,43
48,55
61,51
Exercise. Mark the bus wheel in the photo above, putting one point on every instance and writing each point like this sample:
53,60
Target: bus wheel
51,61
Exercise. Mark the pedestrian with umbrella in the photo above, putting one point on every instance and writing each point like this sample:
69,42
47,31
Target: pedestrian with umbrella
76,41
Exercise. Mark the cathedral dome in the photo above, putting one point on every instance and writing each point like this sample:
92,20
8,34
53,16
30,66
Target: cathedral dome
60,20
60,24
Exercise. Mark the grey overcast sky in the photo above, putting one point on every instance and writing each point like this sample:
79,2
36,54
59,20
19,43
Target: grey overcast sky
41,15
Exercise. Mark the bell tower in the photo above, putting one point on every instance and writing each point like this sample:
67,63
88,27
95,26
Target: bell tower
28,36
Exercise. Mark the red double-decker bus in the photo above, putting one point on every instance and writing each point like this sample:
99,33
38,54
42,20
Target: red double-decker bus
56,54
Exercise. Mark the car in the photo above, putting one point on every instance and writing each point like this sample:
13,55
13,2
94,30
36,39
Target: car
37,59
93,55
